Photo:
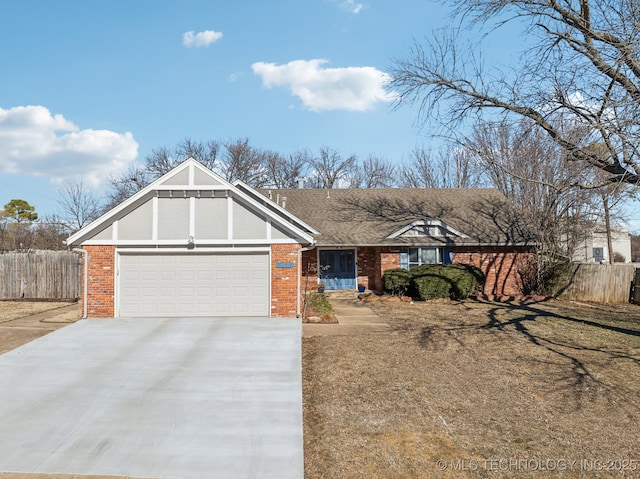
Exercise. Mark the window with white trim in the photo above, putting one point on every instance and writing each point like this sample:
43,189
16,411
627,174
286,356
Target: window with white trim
420,256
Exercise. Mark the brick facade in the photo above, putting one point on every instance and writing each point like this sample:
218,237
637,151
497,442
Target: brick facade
309,271
371,262
101,281
368,263
375,261
501,267
284,281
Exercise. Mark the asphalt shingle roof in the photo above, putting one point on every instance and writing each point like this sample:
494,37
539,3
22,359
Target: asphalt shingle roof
369,216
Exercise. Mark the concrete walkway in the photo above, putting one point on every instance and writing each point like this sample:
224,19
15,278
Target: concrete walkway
354,317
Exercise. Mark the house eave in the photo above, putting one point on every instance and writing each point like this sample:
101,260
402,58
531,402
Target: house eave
275,206
423,245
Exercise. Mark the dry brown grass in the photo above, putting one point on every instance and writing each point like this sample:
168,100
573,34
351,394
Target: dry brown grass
10,310
22,321
475,383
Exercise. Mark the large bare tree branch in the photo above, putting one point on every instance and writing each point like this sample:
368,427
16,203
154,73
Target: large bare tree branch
584,69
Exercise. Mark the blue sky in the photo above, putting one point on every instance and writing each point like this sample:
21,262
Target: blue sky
88,87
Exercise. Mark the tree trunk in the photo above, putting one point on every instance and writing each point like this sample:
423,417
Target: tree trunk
607,225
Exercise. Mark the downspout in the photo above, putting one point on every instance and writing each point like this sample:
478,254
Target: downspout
300,251
85,292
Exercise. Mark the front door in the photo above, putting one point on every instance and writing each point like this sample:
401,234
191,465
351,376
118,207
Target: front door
338,269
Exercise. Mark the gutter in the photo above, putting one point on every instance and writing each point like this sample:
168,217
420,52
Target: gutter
85,291
420,245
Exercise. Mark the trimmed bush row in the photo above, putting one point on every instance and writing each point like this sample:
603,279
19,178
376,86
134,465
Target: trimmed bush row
430,281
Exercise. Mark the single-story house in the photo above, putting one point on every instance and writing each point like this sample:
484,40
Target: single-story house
364,232
193,244
593,247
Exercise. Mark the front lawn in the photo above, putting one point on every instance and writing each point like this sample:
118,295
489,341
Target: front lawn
479,390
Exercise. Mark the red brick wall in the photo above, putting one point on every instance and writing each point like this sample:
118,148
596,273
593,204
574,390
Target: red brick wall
101,270
501,268
368,267
389,259
309,270
284,281
372,263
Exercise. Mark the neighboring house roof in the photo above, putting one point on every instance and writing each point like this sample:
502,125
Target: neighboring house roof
406,216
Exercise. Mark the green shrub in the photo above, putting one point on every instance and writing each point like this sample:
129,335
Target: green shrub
318,303
397,281
466,279
556,278
430,281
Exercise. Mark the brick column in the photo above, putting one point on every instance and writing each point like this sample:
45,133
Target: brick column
284,281
389,259
368,268
101,272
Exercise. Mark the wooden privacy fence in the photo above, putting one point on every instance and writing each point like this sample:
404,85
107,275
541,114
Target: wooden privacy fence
40,275
635,296
601,283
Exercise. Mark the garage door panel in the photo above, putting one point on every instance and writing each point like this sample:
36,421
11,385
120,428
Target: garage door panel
145,276
194,285
205,275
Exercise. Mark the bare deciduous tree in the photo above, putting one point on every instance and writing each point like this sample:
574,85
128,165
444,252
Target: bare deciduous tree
285,171
241,161
583,64
330,168
49,233
374,172
79,205
419,171
162,160
533,172
126,184
452,168
157,163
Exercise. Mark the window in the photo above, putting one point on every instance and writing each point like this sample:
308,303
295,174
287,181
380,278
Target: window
418,256
598,254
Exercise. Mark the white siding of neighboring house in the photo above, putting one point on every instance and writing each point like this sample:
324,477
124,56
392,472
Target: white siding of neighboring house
621,243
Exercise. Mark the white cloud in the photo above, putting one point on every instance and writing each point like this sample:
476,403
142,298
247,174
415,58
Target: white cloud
352,7
200,39
351,88
33,142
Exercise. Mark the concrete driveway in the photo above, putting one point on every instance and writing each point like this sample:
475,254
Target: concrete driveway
156,398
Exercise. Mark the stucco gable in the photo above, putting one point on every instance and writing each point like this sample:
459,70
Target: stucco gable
427,229
191,205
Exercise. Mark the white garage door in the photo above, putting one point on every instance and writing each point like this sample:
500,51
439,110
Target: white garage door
172,285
